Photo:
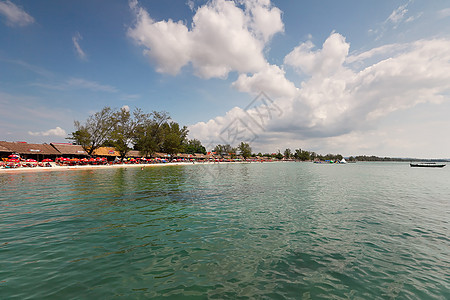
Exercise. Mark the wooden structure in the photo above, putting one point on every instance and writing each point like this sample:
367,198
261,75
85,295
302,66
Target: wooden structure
69,150
32,151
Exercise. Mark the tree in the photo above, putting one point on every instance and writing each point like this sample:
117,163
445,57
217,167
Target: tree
124,130
224,149
174,137
194,146
148,134
245,150
287,153
279,155
95,131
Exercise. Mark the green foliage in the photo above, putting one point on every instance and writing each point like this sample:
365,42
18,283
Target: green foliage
194,146
149,134
224,149
95,131
287,153
245,150
124,130
174,137
279,155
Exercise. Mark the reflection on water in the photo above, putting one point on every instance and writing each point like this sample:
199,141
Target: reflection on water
280,230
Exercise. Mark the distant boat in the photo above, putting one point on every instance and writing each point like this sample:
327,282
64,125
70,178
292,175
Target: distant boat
427,165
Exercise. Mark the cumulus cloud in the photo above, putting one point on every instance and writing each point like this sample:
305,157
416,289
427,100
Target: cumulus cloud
222,38
337,100
75,39
322,62
271,80
58,131
15,16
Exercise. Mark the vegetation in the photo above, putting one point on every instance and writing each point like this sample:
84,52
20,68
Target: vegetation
245,150
95,131
194,146
146,132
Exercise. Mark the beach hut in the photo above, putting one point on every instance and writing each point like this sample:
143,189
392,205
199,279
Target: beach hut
4,152
69,150
108,153
133,154
33,151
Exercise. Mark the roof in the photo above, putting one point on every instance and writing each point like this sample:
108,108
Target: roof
185,155
133,153
69,149
106,151
159,154
4,149
25,148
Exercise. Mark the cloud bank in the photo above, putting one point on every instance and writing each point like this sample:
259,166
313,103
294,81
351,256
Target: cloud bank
342,95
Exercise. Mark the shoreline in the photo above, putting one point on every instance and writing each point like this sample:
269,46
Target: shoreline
94,167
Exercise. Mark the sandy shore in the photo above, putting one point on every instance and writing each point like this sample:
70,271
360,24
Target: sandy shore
95,167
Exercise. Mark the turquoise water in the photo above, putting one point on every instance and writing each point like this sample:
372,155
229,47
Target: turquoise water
229,231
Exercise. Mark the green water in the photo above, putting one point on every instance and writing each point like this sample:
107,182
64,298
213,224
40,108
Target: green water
229,231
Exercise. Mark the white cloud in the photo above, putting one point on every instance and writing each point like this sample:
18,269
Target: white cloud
323,62
75,39
90,85
337,101
444,13
78,83
58,131
222,38
398,14
15,16
271,80
395,19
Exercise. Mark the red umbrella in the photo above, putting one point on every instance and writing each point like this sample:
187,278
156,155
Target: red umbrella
31,160
47,160
14,156
13,160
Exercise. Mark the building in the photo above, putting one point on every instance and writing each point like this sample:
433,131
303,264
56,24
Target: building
33,151
69,150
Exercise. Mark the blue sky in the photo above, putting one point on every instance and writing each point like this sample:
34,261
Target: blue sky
349,77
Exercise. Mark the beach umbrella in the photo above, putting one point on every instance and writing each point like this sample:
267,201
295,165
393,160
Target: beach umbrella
47,160
13,160
31,160
14,156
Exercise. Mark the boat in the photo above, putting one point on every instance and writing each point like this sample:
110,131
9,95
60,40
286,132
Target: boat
427,165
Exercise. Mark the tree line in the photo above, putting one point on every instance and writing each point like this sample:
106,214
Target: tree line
146,132
125,130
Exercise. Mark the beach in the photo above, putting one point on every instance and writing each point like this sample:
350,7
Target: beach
55,167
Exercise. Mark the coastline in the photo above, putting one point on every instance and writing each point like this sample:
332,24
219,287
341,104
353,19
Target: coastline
95,167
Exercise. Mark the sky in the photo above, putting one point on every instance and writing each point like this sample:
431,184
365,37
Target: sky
343,77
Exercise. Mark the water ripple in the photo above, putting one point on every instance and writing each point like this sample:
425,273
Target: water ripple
269,231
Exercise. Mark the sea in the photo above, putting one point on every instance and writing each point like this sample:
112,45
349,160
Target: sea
282,230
